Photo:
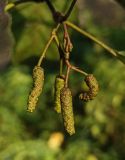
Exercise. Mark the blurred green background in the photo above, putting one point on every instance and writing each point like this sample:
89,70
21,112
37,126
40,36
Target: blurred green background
100,124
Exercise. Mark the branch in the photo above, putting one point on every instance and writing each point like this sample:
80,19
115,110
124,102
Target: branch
93,38
121,2
70,10
53,34
51,7
13,4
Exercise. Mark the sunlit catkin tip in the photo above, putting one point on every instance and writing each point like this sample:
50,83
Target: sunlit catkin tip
59,84
38,81
67,110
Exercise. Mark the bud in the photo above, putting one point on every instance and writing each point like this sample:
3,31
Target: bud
59,84
67,110
38,79
93,88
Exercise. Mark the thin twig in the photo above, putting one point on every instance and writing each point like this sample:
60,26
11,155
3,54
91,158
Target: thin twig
67,76
48,44
14,4
61,67
70,9
67,42
121,2
93,38
67,62
75,68
60,54
51,7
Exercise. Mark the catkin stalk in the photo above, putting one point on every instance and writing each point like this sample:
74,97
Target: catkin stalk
67,110
59,84
38,81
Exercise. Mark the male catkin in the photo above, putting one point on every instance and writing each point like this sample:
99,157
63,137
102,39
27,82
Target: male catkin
93,88
67,110
59,84
38,81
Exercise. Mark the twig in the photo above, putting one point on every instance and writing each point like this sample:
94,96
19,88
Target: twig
51,7
75,68
48,44
67,42
121,2
67,61
14,4
93,38
67,76
60,54
70,10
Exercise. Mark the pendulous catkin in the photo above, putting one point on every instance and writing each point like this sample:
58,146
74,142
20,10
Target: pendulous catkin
59,84
93,88
38,81
67,110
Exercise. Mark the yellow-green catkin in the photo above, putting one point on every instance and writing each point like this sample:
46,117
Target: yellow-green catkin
59,84
67,110
92,83
38,81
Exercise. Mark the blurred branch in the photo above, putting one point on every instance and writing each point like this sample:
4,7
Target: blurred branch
57,16
110,50
70,9
53,34
121,2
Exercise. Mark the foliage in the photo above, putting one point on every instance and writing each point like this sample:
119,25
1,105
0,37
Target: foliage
100,132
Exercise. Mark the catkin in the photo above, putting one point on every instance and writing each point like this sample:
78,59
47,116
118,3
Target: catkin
93,88
67,110
38,81
59,84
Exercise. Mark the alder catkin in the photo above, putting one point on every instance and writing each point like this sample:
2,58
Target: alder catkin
67,110
38,81
93,88
59,84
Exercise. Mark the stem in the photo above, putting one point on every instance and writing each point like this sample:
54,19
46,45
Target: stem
67,76
75,68
61,66
67,42
70,9
51,7
79,70
67,62
121,2
83,32
48,44
61,58
14,4
59,47
45,49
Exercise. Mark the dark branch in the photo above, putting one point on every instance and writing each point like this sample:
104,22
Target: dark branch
121,2
51,7
24,1
57,16
70,9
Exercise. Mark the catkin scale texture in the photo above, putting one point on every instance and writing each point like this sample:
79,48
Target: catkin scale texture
67,110
59,84
93,88
38,81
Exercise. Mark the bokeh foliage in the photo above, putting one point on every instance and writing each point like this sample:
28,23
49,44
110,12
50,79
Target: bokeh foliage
100,131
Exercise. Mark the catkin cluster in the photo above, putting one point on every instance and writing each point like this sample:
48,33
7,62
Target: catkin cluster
38,81
67,110
93,88
59,84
